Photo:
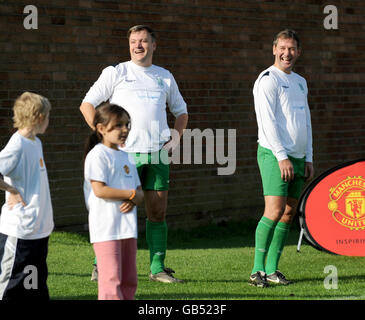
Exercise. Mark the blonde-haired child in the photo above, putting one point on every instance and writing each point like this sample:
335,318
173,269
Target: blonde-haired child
26,219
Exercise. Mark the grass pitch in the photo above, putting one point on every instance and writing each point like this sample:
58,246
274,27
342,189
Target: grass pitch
216,262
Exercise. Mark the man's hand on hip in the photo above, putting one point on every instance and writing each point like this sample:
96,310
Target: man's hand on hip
171,145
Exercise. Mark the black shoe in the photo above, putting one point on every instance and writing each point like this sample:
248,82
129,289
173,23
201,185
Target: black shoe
258,279
278,278
165,276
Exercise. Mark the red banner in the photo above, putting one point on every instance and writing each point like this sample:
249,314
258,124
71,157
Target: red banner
332,210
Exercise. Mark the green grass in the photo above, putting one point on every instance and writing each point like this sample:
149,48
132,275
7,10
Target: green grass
215,261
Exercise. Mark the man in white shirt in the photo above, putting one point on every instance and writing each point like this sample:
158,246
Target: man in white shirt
144,89
284,153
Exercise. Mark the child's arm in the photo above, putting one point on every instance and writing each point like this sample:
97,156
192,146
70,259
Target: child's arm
101,190
128,205
14,196
138,199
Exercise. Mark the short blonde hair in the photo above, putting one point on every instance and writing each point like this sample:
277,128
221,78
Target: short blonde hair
28,108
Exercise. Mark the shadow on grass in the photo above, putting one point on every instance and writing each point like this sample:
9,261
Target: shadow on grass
313,278
72,298
343,278
222,235
68,274
268,294
180,298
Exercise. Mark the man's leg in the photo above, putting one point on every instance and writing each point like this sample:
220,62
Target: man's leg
274,209
156,227
279,238
263,235
153,170
282,229
156,234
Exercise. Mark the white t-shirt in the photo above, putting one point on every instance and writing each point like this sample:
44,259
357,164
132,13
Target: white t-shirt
112,167
23,167
143,92
283,115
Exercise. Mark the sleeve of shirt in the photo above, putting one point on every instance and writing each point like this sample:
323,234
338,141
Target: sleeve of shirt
103,88
10,157
175,100
309,150
96,168
266,100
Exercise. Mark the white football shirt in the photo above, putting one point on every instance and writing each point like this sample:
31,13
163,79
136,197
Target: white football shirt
144,93
23,167
283,115
112,167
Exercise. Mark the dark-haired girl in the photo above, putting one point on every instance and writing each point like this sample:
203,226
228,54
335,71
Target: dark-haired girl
112,192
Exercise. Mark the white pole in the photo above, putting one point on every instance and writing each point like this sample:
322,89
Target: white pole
300,239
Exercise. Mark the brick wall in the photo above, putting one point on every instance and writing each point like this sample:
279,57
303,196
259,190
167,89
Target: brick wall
215,49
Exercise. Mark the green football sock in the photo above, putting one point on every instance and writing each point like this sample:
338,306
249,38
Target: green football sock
277,245
264,232
156,236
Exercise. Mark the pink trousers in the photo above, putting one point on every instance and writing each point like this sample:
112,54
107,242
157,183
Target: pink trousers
117,270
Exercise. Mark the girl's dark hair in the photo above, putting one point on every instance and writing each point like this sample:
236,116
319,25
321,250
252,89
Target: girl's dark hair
104,113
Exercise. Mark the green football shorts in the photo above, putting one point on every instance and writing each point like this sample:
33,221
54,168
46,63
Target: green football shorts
153,170
272,183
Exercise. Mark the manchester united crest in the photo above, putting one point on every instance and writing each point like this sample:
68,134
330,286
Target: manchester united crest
348,203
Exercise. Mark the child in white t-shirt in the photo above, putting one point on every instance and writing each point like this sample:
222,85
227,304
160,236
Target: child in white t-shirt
26,219
112,190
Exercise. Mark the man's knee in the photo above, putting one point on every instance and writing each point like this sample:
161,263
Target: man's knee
274,207
274,213
156,205
156,215
156,211
290,211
